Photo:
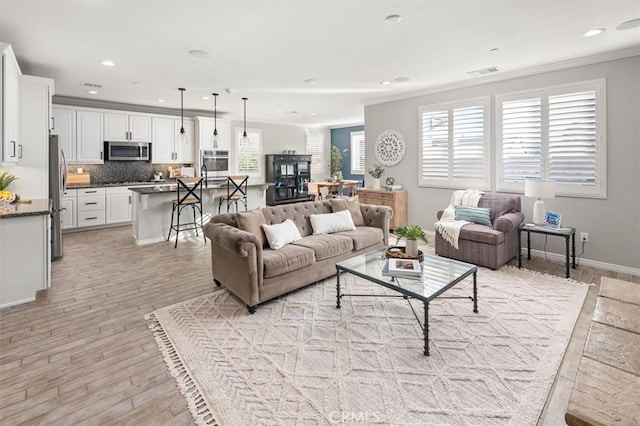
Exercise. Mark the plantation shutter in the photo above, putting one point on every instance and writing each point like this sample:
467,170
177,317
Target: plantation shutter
435,145
468,143
315,147
357,153
521,140
248,158
572,139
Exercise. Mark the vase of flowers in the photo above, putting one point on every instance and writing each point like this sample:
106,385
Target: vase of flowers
411,233
376,173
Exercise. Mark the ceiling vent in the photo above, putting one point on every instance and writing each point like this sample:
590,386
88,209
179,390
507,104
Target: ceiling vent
483,71
94,85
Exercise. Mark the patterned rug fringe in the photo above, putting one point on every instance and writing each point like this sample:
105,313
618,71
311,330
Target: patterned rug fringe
544,274
195,401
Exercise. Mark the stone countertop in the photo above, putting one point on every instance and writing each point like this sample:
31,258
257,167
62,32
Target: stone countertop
113,185
158,189
34,208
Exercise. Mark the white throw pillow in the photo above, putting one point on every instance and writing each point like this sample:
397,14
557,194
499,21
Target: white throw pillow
281,234
332,222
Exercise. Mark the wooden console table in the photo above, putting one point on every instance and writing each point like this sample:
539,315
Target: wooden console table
397,200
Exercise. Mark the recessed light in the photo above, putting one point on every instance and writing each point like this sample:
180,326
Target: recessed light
392,19
205,98
313,113
401,79
493,49
311,81
160,100
627,25
92,92
594,32
201,54
385,82
108,63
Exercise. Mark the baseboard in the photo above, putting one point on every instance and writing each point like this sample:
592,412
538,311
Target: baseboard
585,262
431,235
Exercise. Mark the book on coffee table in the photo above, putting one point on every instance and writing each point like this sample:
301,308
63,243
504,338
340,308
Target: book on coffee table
402,268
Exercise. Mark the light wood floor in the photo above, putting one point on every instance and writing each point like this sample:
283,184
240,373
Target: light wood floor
82,353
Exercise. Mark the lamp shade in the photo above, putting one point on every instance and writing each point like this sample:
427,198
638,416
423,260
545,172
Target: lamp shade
539,188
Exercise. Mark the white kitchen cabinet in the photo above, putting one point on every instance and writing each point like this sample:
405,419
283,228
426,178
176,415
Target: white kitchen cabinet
64,125
9,114
24,258
69,209
127,128
204,132
118,205
91,207
164,144
89,134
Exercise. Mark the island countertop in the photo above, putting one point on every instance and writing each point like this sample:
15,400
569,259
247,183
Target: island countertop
36,207
160,189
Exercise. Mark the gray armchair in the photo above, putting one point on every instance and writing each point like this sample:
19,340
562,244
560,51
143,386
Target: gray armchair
489,246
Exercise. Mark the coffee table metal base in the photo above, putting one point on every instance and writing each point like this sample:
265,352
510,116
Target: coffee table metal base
424,325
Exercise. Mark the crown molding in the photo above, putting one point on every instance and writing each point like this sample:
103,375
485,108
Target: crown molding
344,126
556,66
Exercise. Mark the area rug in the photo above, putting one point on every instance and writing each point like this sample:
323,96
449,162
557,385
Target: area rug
300,361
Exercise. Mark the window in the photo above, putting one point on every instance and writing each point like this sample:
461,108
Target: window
454,152
315,147
357,153
556,134
249,158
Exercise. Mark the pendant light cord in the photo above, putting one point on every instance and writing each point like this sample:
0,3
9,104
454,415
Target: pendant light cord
215,114
245,117
182,110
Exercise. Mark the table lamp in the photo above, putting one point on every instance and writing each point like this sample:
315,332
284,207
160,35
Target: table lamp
539,189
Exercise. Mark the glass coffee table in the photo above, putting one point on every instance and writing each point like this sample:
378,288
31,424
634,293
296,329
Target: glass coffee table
439,274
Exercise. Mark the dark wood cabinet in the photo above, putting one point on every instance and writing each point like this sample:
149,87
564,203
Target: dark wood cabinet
288,175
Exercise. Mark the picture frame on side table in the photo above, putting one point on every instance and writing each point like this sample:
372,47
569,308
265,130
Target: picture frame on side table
552,220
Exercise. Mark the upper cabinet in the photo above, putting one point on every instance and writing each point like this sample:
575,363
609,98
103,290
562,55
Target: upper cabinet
127,128
64,125
164,144
89,134
204,133
10,79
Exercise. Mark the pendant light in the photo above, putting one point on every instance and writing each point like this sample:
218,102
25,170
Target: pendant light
214,137
244,141
182,136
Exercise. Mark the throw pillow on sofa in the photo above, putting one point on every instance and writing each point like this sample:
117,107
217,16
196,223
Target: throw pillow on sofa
331,222
479,215
281,234
252,221
352,204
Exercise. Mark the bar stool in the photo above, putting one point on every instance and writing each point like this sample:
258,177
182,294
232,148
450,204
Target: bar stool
189,194
236,191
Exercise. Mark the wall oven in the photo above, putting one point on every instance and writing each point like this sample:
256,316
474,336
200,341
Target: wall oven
215,164
127,151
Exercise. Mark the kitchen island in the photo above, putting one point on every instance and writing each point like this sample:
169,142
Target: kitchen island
152,205
25,259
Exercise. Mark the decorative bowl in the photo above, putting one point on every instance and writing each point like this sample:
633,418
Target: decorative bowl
398,253
7,197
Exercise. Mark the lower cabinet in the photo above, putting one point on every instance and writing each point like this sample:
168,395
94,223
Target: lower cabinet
118,205
91,207
397,200
69,211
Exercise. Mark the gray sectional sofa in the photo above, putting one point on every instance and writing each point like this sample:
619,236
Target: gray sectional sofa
243,262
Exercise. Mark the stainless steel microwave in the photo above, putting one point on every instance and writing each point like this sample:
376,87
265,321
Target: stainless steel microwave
127,151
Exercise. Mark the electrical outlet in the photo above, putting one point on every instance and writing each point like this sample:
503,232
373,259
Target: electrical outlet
584,236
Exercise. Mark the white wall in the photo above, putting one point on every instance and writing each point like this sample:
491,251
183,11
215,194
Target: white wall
613,224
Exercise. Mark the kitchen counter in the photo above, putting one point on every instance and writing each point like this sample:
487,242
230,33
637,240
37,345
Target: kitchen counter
36,207
156,189
108,185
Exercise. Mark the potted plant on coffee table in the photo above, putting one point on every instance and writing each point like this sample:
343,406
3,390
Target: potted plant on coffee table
411,233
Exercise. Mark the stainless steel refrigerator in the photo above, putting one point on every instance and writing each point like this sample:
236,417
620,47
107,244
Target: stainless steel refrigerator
57,187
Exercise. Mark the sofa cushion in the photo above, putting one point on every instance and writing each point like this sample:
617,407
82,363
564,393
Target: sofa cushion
281,234
329,223
479,215
327,245
352,204
252,221
499,204
364,236
288,258
481,234
298,212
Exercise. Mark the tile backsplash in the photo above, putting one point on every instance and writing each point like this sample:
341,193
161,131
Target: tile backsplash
121,171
